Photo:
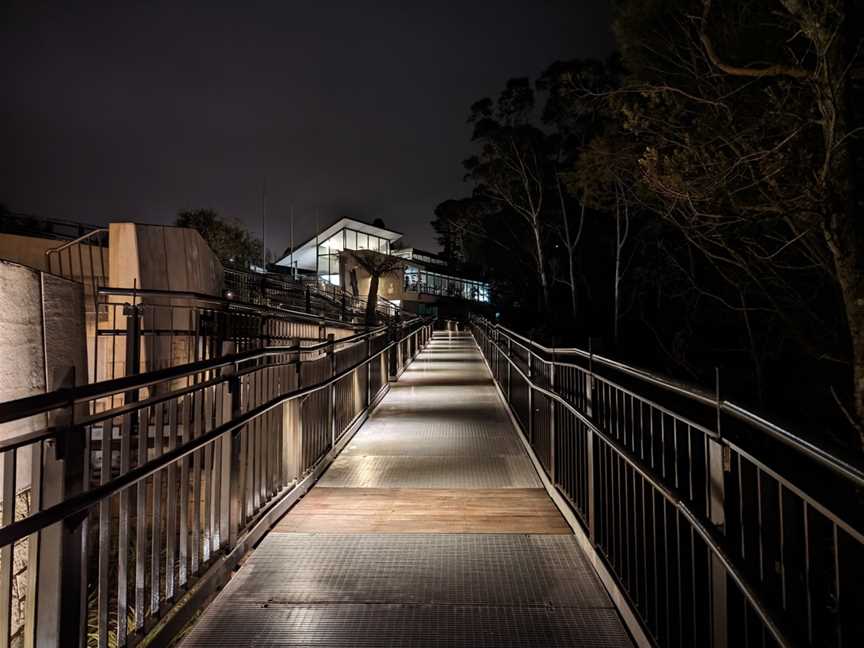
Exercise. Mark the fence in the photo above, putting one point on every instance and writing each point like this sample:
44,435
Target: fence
311,295
146,330
717,527
139,511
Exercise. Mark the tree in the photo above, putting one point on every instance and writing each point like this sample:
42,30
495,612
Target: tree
513,166
377,265
742,112
230,241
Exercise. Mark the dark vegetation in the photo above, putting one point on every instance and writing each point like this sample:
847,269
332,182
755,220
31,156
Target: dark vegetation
229,239
693,202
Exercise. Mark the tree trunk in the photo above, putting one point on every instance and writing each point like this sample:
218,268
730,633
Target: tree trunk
372,301
570,245
541,265
846,245
617,289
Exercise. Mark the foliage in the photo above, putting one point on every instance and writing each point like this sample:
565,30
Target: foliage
693,198
376,265
230,241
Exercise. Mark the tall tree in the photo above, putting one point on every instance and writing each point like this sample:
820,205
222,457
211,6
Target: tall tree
742,110
513,165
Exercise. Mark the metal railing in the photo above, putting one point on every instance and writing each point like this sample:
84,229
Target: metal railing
82,259
717,527
140,511
144,330
310,295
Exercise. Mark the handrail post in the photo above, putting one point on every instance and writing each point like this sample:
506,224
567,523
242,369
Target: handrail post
589,383
718,464
236,464
368,370
509,369
552,437
133,345
228,411
56,599
393,353
331,353
530,396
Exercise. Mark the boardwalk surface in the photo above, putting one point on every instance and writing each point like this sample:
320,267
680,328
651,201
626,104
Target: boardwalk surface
430,529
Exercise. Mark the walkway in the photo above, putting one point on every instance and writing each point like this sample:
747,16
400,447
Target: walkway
430,529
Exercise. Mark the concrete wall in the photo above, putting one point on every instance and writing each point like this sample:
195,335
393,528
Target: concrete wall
162,257
158,257
41,333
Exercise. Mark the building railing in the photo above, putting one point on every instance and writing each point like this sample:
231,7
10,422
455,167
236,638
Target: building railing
139,512
716,526
81,259
310,295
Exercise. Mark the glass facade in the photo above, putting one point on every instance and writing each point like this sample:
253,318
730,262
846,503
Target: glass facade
345,239
433,283
417,255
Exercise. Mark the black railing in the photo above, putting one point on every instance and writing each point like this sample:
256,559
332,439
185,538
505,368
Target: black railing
140,509
715,526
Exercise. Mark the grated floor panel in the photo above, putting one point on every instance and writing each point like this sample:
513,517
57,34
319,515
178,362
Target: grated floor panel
442,426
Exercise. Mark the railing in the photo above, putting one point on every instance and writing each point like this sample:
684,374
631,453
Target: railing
145,330
139,512
311,295
81,259
716,527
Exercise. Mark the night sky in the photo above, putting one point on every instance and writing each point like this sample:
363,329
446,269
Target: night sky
135,111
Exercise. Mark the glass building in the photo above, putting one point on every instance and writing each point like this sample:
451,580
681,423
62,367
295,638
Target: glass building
424,276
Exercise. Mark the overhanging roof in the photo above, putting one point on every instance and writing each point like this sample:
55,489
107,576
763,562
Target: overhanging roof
305,253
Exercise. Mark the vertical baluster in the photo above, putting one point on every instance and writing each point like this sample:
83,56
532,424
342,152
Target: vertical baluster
171,504
187,413
197,431
156,524
104,536
123,536
218,521
9,470
141,522
207,424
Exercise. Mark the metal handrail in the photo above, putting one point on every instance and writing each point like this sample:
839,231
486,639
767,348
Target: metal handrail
825,457
605,448
78,503
81,238
47,402
220,301
700,525
224,443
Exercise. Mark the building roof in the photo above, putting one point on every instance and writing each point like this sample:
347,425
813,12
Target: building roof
305,254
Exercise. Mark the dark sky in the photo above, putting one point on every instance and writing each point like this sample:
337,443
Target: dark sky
137,110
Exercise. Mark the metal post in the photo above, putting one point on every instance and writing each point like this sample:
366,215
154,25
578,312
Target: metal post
509,370
57,553
236,462
368,370
530,397
591,454
393,354
133,346
308,300
552,439
718,465
589,387
331,352
228,411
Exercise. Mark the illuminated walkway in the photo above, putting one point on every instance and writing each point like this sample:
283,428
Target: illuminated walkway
430,529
